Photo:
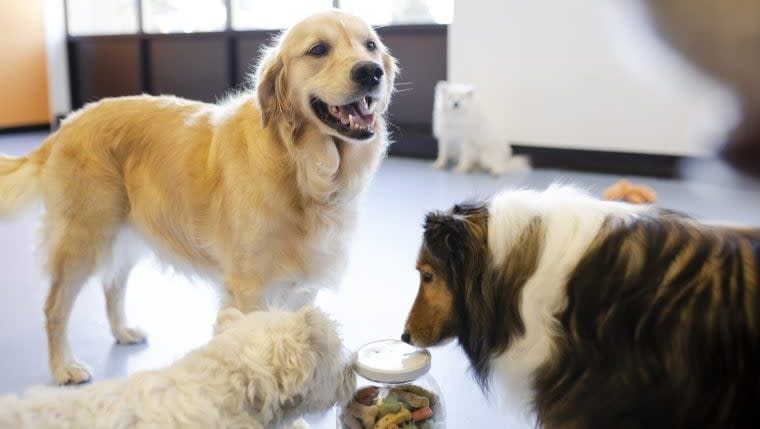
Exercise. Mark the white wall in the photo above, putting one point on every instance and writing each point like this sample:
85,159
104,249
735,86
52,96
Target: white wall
57,62
581,74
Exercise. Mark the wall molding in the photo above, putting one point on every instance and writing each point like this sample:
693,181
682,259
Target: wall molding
34,128
607,162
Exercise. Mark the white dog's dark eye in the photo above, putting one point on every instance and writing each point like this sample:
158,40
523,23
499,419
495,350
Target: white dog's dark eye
318,50
371,45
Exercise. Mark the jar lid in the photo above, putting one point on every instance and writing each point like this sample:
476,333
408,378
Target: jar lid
391,361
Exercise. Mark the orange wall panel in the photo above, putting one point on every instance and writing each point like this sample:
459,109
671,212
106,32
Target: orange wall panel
23,76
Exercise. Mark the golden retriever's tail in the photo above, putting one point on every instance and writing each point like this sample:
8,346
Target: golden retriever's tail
19,179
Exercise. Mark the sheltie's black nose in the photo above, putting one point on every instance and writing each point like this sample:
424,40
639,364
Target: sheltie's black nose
406,338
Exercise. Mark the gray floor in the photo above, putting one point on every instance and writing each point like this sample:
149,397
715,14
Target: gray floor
371,303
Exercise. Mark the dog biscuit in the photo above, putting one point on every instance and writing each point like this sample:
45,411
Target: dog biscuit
414,401
401,417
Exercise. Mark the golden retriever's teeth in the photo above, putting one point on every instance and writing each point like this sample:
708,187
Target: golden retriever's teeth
362,107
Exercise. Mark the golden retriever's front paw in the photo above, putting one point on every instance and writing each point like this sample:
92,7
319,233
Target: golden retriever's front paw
439,164
72,372
130,336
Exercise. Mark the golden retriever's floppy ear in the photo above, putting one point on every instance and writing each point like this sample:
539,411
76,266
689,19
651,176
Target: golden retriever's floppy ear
271,86
227,317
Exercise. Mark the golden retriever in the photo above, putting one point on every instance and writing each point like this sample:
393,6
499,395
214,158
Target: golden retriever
258,192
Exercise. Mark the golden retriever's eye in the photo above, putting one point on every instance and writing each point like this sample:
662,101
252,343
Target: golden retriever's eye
426,277
371,45
318,50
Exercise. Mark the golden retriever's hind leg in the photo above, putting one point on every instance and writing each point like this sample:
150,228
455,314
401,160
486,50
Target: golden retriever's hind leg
65,367
115,291
71,263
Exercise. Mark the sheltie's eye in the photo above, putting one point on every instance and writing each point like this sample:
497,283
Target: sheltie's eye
426,277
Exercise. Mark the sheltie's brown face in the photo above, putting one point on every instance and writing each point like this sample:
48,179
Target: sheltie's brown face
431,319
454,244
462,294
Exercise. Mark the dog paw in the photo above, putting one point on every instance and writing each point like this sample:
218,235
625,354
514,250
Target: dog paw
497,171
439,164
72,372
300,424
129,336
462,169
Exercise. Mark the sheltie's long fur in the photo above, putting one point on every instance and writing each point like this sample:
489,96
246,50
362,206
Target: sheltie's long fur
609,315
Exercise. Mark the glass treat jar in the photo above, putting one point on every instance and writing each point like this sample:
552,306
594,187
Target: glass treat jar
394,390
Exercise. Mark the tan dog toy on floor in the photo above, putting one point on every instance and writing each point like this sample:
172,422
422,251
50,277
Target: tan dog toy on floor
624,190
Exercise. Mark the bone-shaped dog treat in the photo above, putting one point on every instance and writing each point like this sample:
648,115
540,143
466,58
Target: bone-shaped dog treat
386,408
352,422
366,414
394,419
411,399
417,390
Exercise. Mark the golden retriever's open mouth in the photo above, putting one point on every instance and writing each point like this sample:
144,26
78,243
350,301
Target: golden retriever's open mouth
354,120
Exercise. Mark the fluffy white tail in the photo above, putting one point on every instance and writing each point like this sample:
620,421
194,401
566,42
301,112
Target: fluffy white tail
19,179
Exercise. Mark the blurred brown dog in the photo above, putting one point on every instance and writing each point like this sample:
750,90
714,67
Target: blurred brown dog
722,39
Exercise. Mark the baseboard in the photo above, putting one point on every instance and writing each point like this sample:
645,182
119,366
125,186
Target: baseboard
416,141
25,129
619,163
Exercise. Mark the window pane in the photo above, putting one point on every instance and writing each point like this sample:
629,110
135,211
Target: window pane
184,16
269,14
88,17
401,11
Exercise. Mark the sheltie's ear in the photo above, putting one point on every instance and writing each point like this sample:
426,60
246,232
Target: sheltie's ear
443,234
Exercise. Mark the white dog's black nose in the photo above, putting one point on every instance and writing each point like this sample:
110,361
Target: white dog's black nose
367,74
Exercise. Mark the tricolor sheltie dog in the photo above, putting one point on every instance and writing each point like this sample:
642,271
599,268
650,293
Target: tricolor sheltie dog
608,315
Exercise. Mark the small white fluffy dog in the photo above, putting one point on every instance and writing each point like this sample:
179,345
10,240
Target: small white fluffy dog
258,193
261,370
457,124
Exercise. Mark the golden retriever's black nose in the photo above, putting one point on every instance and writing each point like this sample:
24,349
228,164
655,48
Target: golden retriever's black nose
367,74
406,338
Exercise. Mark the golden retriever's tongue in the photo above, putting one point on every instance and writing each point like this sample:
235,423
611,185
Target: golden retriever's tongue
354,114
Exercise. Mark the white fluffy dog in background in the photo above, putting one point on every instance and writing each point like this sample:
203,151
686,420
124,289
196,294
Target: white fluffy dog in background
457,124
263,370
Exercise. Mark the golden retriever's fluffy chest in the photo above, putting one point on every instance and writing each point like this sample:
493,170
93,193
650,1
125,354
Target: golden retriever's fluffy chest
322,249
313,234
